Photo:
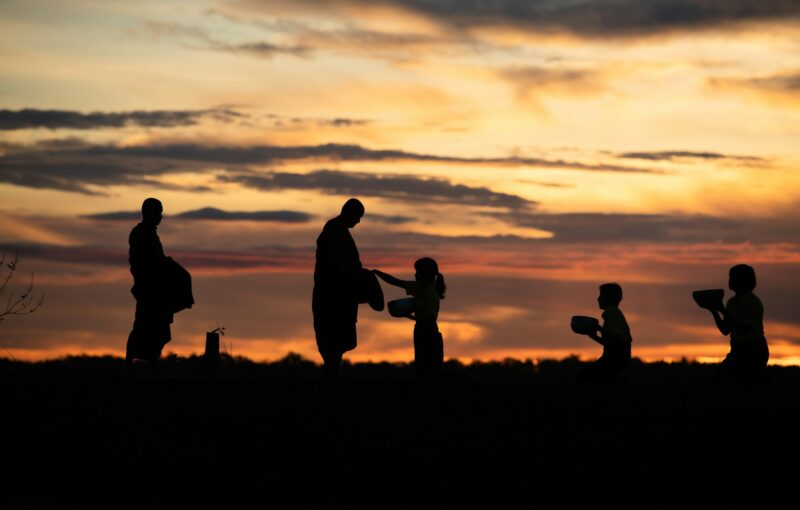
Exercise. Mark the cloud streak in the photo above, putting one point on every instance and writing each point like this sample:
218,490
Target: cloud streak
397,187
680,155
786,82
211,213
785,85
199,38
530,81
263,49
66,119
31,118
283,122
300,39
390,220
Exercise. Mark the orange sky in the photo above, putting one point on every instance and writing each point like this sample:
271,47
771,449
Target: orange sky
536,149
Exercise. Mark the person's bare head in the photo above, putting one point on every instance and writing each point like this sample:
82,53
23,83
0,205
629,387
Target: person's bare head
610,295
742,278
352,211
151,211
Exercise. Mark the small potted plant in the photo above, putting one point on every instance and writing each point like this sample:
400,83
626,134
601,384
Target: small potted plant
212,348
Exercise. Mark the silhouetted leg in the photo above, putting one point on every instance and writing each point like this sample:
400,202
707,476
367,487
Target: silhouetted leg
725,371
128,356
589,373
597,371
758,359
420,355
428,350
150,333
745,363
129,349
606,368
334,338
332,360
617,358
437,353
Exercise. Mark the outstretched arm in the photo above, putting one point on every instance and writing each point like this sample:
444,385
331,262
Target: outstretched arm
391,280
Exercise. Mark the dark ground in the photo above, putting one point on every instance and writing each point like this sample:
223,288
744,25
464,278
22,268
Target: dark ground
491,435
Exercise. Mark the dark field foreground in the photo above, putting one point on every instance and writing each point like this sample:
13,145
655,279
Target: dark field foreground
490,435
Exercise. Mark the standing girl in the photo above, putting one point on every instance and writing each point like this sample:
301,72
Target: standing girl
427,289
743,319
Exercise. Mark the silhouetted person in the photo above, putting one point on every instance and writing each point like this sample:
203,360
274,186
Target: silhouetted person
427,289
742,318
335,297
614,335
160,285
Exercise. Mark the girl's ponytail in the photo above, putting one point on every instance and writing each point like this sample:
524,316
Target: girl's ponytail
440,285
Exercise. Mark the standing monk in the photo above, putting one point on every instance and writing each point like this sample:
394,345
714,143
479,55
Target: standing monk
161,288
335,299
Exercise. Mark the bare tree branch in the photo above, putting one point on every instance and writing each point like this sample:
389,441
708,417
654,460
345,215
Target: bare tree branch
23,304
11,265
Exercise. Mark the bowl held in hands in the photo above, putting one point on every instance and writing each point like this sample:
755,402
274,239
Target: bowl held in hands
710,299
368,290
584,325
401,307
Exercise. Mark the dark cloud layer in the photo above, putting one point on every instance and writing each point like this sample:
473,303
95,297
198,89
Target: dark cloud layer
66,119
265,257
400,187
597,227
658,228
73,165
210,213
594,18
74,174
262,154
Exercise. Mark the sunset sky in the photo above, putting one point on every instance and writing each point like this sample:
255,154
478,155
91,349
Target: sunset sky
535,148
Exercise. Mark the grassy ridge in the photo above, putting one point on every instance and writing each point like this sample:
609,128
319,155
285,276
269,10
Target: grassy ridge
502,433
683,372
